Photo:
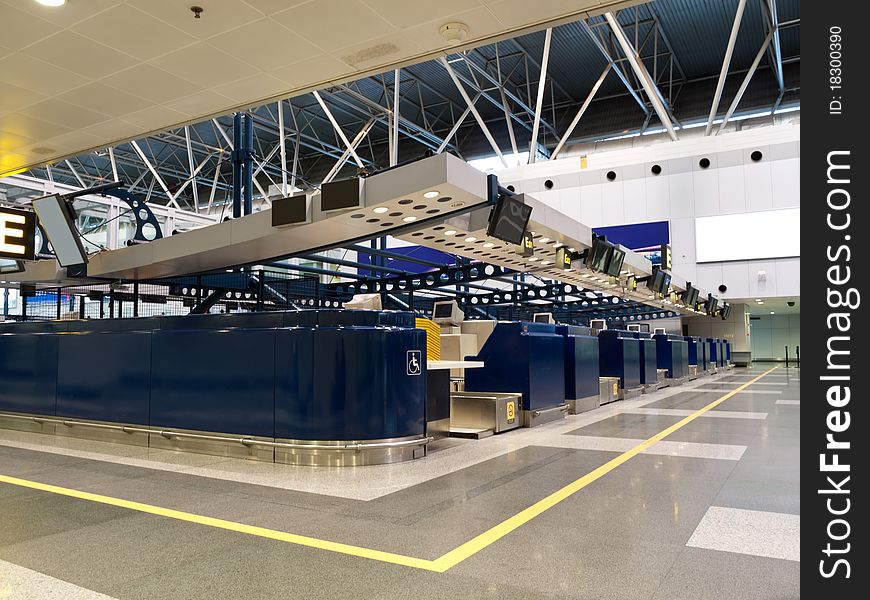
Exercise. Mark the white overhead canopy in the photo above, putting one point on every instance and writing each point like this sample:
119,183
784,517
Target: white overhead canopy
93,73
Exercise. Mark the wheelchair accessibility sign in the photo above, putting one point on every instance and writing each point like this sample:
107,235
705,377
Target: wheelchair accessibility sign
415,362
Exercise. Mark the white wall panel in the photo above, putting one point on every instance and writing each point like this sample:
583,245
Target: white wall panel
683,241
658,205
732,190
682,195
735,275
613,203
785,183
766,287
591,212
788,276
706,190
634,192
759,194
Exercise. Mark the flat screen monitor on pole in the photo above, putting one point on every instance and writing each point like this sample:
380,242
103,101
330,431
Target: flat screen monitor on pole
614,265
508,220
598,255
711,305
666,283
58,222
654,283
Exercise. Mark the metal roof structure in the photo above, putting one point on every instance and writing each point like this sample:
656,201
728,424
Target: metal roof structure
304,140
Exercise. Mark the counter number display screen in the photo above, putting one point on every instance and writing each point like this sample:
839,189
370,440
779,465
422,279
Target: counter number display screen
614,265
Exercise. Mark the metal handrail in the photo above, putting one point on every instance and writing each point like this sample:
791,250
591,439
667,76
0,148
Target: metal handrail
245,441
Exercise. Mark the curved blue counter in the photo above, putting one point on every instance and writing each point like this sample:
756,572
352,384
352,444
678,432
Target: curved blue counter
328,375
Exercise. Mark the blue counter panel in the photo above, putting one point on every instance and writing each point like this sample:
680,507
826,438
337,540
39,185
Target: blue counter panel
526,358
581,366
28,370
351,392
619,356
673,355
221,381
648,361
105,376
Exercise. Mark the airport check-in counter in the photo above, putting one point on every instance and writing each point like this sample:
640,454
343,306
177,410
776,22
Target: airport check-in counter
649,371
526,358
695,353
715,354
673,355
335,387
727,352
581,368
619,356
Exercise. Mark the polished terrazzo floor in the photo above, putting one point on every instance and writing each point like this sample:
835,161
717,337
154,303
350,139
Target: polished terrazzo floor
711,511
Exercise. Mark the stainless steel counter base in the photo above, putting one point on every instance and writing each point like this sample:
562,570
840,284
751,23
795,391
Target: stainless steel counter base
672,381
693,372
608,389
580,405
532,418
350,453
628,394
293,452
438,429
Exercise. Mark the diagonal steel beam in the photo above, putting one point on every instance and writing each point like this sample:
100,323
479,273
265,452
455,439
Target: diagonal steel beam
338,129
357,140
726,63
746,80
616,68
649,86
539,104
580,112
474,112
456,126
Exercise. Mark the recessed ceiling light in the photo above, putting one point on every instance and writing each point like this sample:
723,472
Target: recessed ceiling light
52,2
558,245
471,238
450,232
545,262
532,259
544,240
381,209
488,245
773,313
431,194
409,219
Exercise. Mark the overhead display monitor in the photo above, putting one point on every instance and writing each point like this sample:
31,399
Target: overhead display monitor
654,283
711,304
666,283
598,324
508,220
726,311
17,234
644,327
543,318
614,264
599,255
58,221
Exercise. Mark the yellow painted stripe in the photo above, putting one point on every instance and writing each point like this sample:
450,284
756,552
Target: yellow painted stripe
492,535
263,532
440,564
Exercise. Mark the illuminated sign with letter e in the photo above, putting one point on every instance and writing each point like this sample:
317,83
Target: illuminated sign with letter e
17,234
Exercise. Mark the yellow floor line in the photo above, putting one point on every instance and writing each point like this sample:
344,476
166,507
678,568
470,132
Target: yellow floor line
441,564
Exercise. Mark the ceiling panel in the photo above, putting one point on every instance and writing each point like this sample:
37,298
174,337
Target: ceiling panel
116,70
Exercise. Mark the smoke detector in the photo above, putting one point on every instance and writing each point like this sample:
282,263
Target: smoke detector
454,32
